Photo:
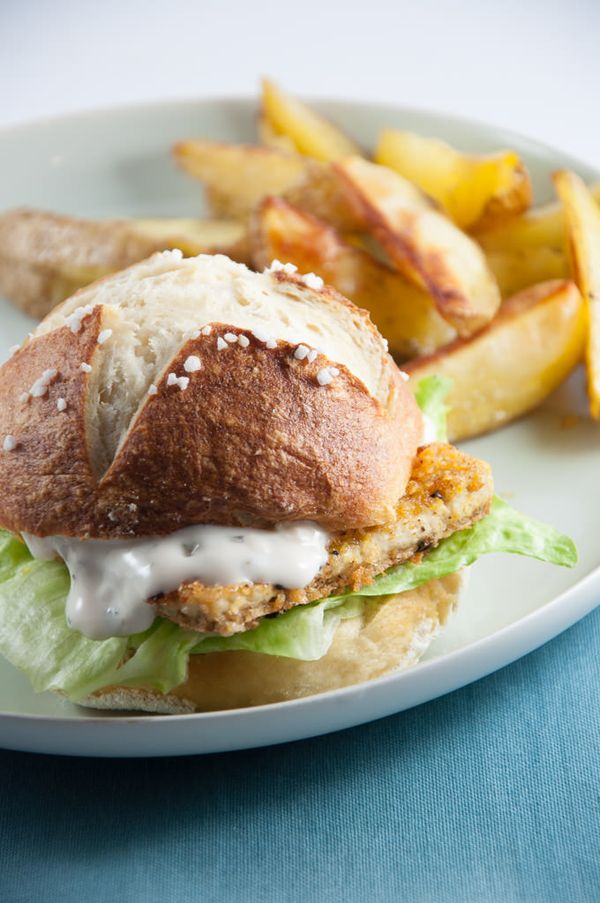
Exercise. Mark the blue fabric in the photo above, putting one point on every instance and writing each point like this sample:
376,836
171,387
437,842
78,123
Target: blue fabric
490,794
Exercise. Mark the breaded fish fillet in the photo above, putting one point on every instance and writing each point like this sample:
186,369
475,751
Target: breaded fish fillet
448,491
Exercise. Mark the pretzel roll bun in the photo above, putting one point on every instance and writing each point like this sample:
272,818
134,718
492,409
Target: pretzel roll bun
390,634
190,391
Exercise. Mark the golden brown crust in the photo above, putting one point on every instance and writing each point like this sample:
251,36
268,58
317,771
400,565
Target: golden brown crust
253,439
448,491
422,243
47,481
321,193
405,314
392,633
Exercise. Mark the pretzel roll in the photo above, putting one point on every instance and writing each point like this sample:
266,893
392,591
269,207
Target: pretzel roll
193,391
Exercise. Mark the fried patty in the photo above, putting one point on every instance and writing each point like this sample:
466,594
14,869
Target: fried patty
448,491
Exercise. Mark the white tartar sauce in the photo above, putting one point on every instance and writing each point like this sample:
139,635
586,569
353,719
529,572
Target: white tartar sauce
111,580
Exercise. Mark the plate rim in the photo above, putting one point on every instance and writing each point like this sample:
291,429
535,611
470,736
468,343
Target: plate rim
235,99
529,631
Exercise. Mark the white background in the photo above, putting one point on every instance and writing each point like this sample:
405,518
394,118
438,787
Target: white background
529,65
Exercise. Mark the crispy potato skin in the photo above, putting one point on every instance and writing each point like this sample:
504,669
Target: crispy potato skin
405,314
448,491
320,192
423,243
510,366
46,257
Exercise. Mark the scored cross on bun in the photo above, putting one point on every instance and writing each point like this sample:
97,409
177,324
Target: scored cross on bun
189,391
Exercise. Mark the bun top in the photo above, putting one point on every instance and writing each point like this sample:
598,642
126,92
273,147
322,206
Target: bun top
184,391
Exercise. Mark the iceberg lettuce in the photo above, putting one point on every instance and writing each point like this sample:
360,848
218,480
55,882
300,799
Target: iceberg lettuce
35,637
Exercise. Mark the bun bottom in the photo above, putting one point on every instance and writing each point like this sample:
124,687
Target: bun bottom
392,633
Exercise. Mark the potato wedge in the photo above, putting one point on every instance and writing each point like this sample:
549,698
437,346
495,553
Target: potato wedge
404,314
237,176
195,236
270,138
518,269
320,191
423,243
310,133
543,226
45,257
583,232
472,190
510,366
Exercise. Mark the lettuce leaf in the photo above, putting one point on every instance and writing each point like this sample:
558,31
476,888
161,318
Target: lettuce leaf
35,637
159,660
430,395
502,530
305,632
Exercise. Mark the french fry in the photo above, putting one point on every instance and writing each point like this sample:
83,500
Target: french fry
45,257
518,269
237,176
542,226
472,190
514,363
422,243
310,133
583,232
404,314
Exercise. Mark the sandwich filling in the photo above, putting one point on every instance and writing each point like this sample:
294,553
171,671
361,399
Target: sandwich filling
222,580
448,491
446,520
113,580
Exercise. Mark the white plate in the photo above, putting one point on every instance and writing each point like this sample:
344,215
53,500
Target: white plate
116,163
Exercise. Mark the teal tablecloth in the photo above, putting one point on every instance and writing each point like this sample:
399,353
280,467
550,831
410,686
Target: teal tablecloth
491,794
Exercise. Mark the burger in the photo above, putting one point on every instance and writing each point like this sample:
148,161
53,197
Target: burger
218,490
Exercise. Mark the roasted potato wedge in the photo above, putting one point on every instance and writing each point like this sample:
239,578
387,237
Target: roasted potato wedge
270,138
237,176
513,364
404,314
195,236
310,133
45,257
472,190
583,233
542,226
516,270
320,191
422,243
